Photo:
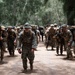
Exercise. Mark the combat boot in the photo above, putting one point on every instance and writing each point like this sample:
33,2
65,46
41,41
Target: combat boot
31,66
24,70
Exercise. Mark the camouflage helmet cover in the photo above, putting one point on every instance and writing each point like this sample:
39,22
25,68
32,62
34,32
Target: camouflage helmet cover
27,25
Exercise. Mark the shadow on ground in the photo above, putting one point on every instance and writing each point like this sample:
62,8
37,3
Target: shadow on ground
7,58
69,59
29,71
11,56
60,54
3,62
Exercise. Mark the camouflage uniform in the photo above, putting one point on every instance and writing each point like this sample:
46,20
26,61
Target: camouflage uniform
10,41
37,34
73,42
67,36
42,32
51,40
28,42
59,42
3,38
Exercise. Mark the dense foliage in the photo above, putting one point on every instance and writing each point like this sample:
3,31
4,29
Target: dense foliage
39,12
18,11
69,10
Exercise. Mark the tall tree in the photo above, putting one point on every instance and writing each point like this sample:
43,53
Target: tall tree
20,10
69,10
45,1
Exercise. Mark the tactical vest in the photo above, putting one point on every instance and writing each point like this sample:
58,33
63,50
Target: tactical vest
11,36
66,36
27,38
52,32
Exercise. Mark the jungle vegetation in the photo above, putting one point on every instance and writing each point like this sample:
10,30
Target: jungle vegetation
39,12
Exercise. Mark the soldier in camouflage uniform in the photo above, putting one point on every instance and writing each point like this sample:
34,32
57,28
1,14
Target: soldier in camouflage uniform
37,33
42,31
28,42
72,29
59,42
67,36
51,40
3,38
74,41
10,40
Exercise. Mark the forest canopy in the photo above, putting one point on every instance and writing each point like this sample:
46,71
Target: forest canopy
39,12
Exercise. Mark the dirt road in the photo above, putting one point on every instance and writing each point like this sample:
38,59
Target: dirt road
45,63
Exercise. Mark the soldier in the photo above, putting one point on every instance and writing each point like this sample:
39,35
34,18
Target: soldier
51,40
42,32
73,42
2,40
59,42
46,34
11,40
27,40
4,33
67,36
17,35
37,33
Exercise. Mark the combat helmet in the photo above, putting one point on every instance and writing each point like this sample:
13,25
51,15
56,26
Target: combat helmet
27,25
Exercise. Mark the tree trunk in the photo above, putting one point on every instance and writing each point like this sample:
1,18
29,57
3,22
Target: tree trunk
70,21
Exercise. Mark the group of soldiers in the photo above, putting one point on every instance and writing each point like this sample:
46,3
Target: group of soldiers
22,38
26,38
7,40
62,38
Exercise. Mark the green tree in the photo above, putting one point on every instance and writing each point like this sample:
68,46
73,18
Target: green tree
40,12
52,12
19,11
69,10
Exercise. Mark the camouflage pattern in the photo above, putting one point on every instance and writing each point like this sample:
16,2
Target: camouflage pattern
10,41
36,31
73,46
50,39
28,41
42,32
67,35
72,29
74,41
59,42
3,38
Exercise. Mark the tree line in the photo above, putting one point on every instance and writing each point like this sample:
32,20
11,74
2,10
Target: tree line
39,12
